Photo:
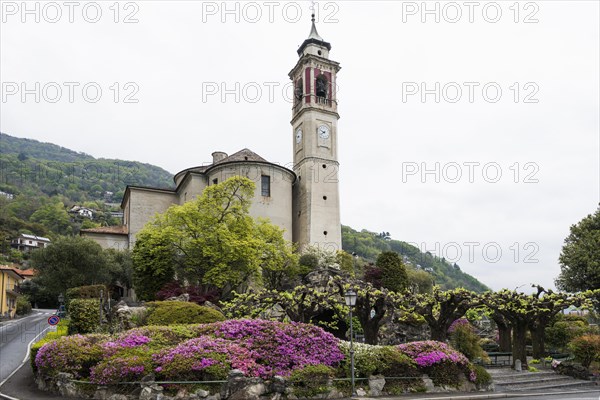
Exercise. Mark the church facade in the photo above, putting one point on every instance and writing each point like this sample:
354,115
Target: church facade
304,201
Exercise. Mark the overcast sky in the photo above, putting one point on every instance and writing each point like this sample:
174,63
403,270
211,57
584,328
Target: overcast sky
467,128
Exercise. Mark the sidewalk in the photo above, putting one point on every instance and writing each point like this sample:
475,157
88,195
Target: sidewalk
21,386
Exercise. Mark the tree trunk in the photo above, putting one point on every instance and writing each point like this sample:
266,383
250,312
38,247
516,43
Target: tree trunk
538,341
371,331
438,332
504,339
519,350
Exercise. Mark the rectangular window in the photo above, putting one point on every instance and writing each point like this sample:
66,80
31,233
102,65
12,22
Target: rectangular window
265,185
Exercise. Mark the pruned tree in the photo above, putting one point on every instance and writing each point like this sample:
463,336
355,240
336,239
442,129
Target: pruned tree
529,311
440,308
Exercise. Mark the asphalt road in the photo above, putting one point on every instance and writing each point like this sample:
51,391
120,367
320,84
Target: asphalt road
572,396
15,337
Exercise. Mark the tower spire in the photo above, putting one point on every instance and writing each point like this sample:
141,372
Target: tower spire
314,38
313,31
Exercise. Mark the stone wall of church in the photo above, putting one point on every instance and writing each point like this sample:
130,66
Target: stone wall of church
109,241
143,205
278,206
191,187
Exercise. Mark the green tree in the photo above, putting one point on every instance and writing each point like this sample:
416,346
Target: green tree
580,256
278,262
393,272
120,268
211,241
346,262
420,281
53,216
69,262
154,260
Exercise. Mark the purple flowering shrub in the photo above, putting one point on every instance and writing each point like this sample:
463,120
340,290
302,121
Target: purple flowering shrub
124,368
163,336
204,358
438,360
128,340
279,348
194,352
73,354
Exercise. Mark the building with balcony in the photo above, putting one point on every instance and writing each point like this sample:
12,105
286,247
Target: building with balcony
10,280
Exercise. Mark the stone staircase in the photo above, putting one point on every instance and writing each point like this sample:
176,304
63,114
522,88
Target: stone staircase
508,380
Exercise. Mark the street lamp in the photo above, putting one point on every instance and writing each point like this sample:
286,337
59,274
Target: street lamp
61,308
350,298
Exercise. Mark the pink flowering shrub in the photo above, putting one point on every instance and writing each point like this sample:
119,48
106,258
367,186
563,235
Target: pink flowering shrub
127,368
162,336
279,348
126,341
73,354
194,352
438,360
204,358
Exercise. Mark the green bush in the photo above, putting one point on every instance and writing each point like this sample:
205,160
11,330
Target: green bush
165,336
483,377
23,305
382,360
464,339
84,315
367,359
586,349
563,331
311,380
445,374
398,365
180,312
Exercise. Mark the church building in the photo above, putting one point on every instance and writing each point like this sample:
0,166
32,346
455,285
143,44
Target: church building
303,201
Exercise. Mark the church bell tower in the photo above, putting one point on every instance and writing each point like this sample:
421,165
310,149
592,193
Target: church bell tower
316,200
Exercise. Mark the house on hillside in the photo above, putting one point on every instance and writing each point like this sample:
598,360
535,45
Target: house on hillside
9,196
27,242
82,212
10,280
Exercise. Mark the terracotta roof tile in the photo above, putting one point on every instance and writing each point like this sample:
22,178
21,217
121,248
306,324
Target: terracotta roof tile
242,155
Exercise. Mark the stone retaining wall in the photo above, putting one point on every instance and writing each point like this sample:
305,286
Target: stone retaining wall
237,387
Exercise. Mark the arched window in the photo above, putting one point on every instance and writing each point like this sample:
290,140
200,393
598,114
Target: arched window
299,91
321,86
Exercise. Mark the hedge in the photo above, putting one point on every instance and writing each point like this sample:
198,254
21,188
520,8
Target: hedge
180,312
84,315
23,305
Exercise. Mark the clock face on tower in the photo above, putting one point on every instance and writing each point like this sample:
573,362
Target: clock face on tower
323,131
298,135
